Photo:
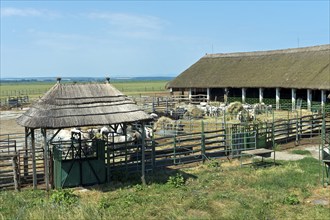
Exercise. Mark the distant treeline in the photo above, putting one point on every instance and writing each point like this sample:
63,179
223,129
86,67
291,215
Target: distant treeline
84,79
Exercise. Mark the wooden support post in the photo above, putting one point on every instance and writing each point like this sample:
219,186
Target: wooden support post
26,162
153,153
15,172
126,151
323,99
108,162
113,148
293,94
226,93
46,157
297,130
153,105
273,132
34,166
243,95
309,99
174,149
203,143
190,94
261,95
278,94
143,154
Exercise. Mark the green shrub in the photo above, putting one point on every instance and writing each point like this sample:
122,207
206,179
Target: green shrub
63,197
213,163
104,203
176,181
138,187
291,200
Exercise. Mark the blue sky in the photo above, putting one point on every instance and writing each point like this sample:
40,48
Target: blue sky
147,38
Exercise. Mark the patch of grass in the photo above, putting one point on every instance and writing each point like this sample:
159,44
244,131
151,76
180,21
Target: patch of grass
276,192
301,152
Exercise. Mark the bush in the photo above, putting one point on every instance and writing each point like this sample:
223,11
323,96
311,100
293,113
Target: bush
213,163
291,200
63,197
176,181
104,203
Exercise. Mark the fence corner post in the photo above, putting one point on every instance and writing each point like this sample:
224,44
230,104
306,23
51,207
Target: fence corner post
203,143
15,173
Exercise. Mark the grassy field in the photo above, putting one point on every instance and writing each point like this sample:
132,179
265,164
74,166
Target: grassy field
208,191
36,89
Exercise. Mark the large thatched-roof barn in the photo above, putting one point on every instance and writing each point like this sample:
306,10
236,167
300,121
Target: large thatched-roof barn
266,76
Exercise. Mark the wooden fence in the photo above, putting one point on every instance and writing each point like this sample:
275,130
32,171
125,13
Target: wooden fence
17,165
187,142
9,172
124,159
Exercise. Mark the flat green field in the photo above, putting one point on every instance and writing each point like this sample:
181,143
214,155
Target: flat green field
36,89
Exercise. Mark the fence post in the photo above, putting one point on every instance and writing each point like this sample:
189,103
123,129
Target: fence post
203,143
273,132
153,104
166,106
126,151
153,153
174,148
297,130
225,131
34,165
108,161
15,173
143,155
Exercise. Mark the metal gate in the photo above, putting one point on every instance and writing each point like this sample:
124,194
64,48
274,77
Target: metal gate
78,162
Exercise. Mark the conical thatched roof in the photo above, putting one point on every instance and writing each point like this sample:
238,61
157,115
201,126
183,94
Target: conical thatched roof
300,68
78,105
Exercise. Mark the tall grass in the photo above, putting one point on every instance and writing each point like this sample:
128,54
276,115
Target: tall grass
203,192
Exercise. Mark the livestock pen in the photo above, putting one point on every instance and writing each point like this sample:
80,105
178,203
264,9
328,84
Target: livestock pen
189,141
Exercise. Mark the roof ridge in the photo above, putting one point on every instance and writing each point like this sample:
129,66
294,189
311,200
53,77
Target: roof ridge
270,52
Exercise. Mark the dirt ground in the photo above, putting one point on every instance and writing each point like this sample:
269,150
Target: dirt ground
8,124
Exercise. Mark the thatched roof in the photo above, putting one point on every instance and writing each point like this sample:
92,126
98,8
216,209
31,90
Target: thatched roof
298,68
78,105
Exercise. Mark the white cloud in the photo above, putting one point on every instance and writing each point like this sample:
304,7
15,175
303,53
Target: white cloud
26,12
130,20
130,25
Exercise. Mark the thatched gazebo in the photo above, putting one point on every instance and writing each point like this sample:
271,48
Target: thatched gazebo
79,105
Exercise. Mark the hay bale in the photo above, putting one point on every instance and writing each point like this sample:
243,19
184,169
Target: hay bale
163,123
235,107
197,113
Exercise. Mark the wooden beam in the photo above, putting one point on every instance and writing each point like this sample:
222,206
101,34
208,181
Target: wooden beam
46,150
143,154
34,166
